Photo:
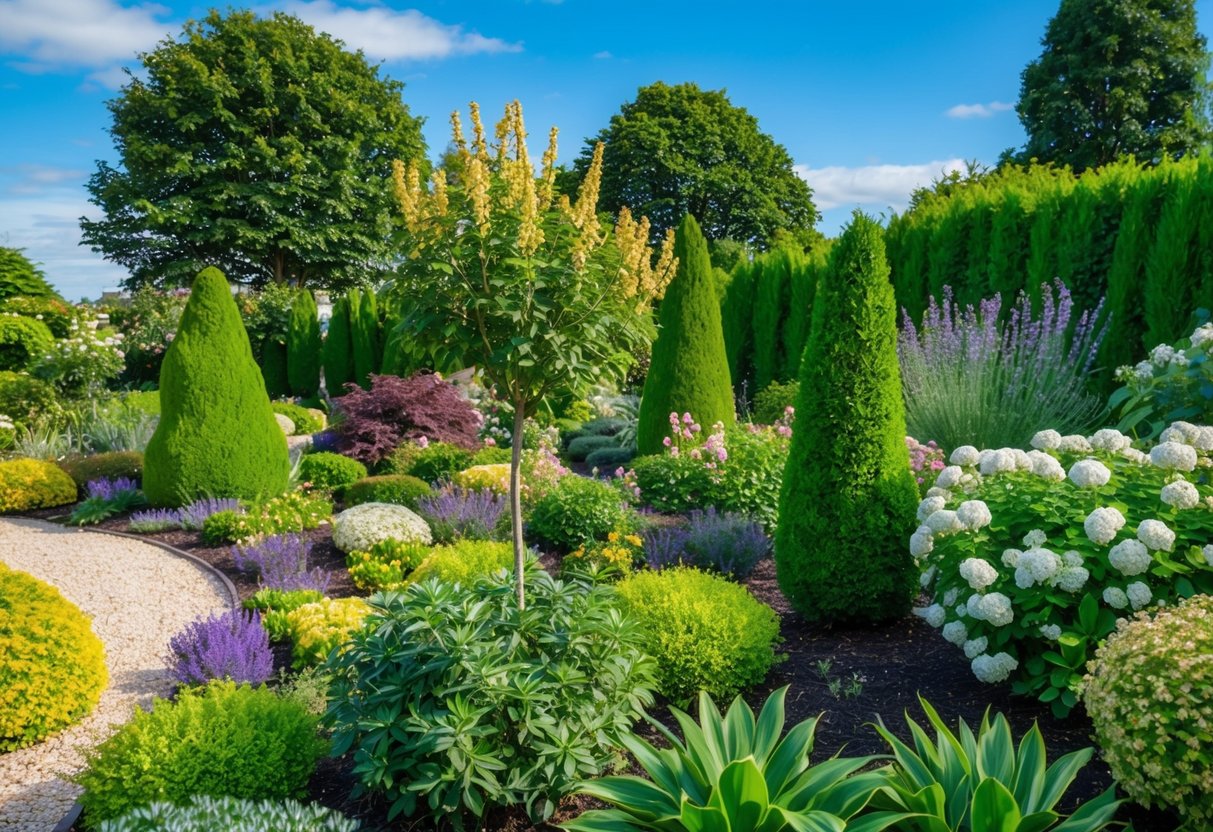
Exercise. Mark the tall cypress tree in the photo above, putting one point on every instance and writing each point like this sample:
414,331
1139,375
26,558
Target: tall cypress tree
217,435
736,319
303,346
772,298
273,368
800,313
338,350
689,372
847,504
364,336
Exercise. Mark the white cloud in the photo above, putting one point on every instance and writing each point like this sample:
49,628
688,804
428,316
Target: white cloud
386,34
603,55
33,179
50,34
978,110
878,186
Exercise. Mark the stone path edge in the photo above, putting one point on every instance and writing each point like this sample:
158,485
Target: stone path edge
73,814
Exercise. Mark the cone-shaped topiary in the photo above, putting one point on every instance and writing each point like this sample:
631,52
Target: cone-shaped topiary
690,371
217,435
364,335
338,351
848,499
303,346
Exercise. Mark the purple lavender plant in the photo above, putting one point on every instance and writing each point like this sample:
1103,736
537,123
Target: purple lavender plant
232,645
110,489
195,514
981,377
457,513
728,543
665,546
155,520
281,562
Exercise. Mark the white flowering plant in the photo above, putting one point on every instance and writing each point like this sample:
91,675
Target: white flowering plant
1174,383
81,364
1031,557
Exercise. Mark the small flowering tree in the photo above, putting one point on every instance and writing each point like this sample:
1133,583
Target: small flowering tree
529,287
1033,556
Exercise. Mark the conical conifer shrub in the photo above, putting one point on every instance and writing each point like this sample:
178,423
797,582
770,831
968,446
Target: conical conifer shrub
338,350
848,500
217,436
690,371
364,336
303,346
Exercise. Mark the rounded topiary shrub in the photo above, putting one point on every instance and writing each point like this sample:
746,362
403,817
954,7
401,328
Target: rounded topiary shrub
1150,697
576,511
690,370
494,477
847,501
217,435
330,470
52,665
27,484
583,446
361,527
208,814
23,341
398,489
223,740
705,632
306,420
111,465
464,561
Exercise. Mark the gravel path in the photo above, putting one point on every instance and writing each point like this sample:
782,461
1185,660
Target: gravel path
138,596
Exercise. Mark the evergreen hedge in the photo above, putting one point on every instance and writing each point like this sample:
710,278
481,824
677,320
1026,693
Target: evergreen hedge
689,371
364,336
303,346
848,499
338,349
217,435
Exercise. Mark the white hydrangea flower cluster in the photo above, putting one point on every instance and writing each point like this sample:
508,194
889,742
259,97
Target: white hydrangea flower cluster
1037,566
933,615
994,669
1130,557
1110,440
945,521
1090,473
974,514
1046,466
965,456
955,632
1051,631
975,647
978,573
1156,535
1102,525
994,608
1075,443
1173,456
1180,494
1202,335
1046,440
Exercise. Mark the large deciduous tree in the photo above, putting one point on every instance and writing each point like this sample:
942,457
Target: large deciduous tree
1116,77
679,150
258,146
530,288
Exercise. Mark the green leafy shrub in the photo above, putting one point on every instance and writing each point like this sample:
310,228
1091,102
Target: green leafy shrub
705,632
772,402
27,484
1029,568
113,465
203,813
23,341
606,459
689,371
385,565
848,497
281,600
52,665
303,346
217,435
578,510
491,455
329,470
306,420
223,740
291,512
464,561
583,446
435,462
57,315
19,276
494,706
735,767
398,489
317,628
1147,694
980,793
25,399
1174,383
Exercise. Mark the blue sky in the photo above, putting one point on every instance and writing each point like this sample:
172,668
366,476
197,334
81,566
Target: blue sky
870,99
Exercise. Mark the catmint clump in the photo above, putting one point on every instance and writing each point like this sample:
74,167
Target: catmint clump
232,645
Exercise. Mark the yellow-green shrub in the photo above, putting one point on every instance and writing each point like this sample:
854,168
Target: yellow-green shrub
705,632
385,565
464,561
52,665
1150,698
315,629
484,477
27,484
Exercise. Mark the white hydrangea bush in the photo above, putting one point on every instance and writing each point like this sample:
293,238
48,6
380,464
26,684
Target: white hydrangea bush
1032,556
359,528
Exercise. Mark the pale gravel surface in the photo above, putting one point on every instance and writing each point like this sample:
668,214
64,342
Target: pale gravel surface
138,596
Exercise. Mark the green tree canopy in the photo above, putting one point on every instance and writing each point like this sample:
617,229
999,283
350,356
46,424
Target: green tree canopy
256,145
21,278
1116,77
679,150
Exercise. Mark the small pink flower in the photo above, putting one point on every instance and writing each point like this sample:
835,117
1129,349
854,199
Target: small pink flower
686,419
789,411
490,441
619,471
636,491
422,442
686,434
695,428
674,451
673,418
666,442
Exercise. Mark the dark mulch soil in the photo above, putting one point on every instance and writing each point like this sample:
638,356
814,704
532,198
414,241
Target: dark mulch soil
885,667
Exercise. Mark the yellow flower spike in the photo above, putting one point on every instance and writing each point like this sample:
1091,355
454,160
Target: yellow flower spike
439,200
479,146
502,134
547,186
407,187
476,184
457,133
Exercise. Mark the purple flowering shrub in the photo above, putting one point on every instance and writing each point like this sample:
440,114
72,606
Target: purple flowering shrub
231,645
110,489
992,379
281,562
194,515
723,542
106,497
459,513
374,422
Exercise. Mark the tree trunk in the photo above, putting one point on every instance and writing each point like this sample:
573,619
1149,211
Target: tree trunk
516,501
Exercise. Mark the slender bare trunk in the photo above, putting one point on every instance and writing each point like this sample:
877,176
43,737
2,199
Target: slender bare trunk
516,501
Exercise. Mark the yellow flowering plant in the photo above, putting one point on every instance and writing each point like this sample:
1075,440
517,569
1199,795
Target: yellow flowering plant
620,551
529,286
